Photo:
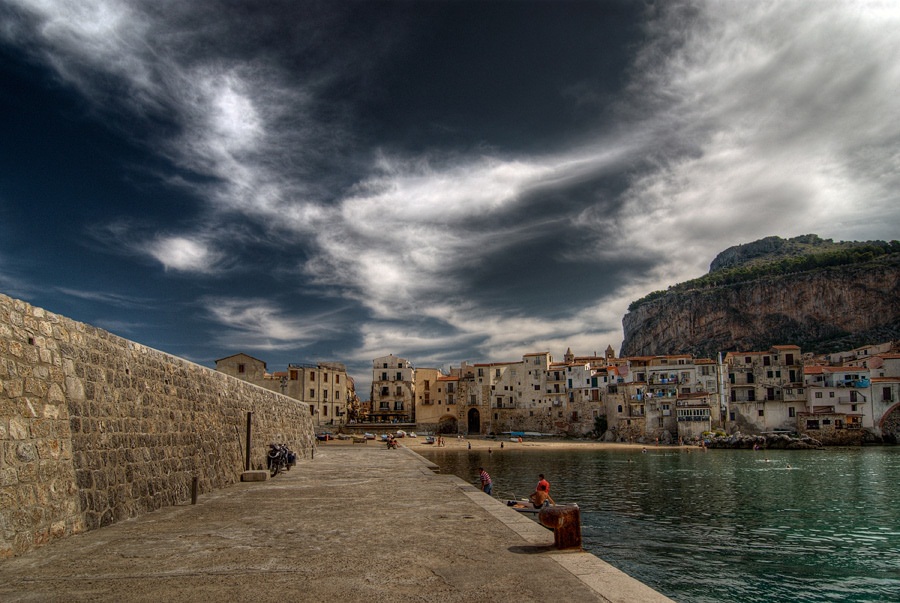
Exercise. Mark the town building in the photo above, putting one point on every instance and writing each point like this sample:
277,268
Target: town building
325,386
766,389
393,393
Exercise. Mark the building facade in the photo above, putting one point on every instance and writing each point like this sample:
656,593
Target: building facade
325,386
393,393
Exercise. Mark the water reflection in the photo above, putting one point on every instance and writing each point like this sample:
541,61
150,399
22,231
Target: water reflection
725,525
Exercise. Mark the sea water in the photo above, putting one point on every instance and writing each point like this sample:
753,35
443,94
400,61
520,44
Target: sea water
724,525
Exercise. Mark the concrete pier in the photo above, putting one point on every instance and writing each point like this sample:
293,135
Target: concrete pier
358,523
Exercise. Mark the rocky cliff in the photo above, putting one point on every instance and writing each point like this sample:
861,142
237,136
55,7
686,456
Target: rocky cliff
821,310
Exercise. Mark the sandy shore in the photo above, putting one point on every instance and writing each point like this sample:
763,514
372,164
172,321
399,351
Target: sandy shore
454,443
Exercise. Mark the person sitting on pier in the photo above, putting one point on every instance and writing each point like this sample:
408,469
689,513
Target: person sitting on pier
541,494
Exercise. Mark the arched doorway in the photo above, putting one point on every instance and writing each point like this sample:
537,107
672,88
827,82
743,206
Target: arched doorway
474,422
448,424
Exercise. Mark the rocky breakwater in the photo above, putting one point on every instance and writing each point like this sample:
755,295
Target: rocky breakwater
776,441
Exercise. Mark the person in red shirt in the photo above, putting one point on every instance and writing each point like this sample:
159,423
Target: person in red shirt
541,493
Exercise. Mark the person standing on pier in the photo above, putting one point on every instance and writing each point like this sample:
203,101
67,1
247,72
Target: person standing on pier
486,484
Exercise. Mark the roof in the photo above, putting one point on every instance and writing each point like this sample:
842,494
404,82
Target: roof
241,354
819,369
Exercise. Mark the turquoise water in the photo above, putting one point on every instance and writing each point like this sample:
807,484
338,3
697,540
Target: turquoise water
724,525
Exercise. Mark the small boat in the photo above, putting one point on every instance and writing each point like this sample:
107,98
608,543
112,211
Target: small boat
429,439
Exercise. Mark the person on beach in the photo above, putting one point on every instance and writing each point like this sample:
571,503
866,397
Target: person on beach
541,493
486,484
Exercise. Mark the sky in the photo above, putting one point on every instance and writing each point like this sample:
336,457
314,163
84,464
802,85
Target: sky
446,181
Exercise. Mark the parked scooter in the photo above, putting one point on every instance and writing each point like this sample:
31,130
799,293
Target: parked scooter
280,458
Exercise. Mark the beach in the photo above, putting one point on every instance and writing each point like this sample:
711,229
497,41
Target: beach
528,443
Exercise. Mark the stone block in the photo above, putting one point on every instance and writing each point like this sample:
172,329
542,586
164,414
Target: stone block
254,476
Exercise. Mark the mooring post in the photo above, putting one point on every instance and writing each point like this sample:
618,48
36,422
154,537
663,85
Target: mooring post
194,483
565,521
247,456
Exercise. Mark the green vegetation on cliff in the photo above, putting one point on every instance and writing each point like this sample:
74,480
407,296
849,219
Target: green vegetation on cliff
774,256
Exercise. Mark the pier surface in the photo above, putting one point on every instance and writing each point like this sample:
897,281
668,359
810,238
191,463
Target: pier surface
357,523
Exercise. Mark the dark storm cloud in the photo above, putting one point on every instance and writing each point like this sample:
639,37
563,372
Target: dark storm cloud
440,180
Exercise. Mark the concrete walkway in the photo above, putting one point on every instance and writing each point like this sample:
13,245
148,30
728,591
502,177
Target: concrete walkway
359,522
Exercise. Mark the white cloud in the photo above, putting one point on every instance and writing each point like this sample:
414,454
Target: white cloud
744,119
788,108
183,254
260,324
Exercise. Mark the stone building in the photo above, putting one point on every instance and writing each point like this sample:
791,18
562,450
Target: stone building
428,411
766,389
325,386
838,398
393,391
666,397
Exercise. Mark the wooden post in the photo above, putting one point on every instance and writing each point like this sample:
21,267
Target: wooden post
247,456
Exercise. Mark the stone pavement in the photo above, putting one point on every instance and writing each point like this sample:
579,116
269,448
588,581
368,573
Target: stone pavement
359,522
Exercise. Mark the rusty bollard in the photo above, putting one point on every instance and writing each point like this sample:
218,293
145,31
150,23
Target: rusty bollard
565,521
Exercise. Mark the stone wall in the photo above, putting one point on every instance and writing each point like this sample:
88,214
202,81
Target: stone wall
95,428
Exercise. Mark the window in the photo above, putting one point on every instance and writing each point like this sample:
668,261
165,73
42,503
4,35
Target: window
818,394
241,368
399,376
312,393
325,411
762,413
295,375
312,376
791,411
831,394
325,394
767,361
337,378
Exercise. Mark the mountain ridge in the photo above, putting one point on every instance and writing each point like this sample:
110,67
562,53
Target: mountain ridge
812,292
